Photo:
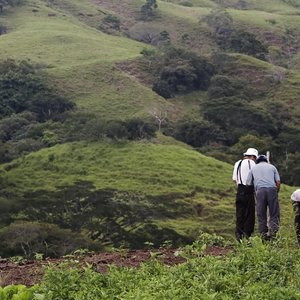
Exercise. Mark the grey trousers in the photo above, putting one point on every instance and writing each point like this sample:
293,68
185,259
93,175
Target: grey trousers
267,198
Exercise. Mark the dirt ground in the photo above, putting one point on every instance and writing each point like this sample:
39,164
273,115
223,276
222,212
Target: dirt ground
31,272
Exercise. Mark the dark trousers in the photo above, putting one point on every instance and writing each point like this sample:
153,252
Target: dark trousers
296,207
245,211
267,198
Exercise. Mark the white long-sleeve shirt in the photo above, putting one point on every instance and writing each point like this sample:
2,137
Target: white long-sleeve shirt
241,170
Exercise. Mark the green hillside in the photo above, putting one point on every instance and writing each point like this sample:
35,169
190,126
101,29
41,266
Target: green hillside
97,167
192,192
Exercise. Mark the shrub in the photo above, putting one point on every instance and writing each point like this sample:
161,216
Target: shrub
27,238
68,281
22,87
237,117
139,129
110,23
181,71
225,86
198,133
247,43
116,130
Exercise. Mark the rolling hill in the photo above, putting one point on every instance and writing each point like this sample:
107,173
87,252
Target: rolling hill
122,192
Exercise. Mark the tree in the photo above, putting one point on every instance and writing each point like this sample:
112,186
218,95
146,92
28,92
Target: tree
221,23
182,71
116,130
28,238
198,133
237,117
110,23
147,10
263,144
23,88
139,129
225,86
159,115
247,43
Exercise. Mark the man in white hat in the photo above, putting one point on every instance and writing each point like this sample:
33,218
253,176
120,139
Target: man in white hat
296,206
245,202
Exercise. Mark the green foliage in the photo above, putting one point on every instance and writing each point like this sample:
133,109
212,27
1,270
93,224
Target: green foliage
30,238
17,292
237,117
147,10
247,43
294,3
132,129
22,88
198,133
67,281
11,3
231,38
252,270
221,23
204,240
110,23
225,86
80,208
263,144
139,129
182,71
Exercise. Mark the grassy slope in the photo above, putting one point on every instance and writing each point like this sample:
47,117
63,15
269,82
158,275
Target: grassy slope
142,167
256,18
81,58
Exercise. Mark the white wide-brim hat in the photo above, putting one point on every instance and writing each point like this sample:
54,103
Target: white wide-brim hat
251,151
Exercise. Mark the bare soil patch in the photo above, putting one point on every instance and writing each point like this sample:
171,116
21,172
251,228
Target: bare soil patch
31,272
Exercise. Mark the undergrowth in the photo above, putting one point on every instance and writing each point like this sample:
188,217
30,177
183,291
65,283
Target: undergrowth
252,270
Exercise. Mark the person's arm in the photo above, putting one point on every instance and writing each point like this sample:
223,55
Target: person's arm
277,179
234,174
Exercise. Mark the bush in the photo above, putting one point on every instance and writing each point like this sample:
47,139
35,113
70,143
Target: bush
27,238
68,281
247,43
225,86
163,89
139,129
237,117
110,23
22,87
198,133
116,130
181,71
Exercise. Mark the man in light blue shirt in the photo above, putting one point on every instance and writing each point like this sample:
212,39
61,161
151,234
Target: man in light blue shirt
266,180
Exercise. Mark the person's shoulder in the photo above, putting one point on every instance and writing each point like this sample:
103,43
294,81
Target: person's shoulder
237,162
272,166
